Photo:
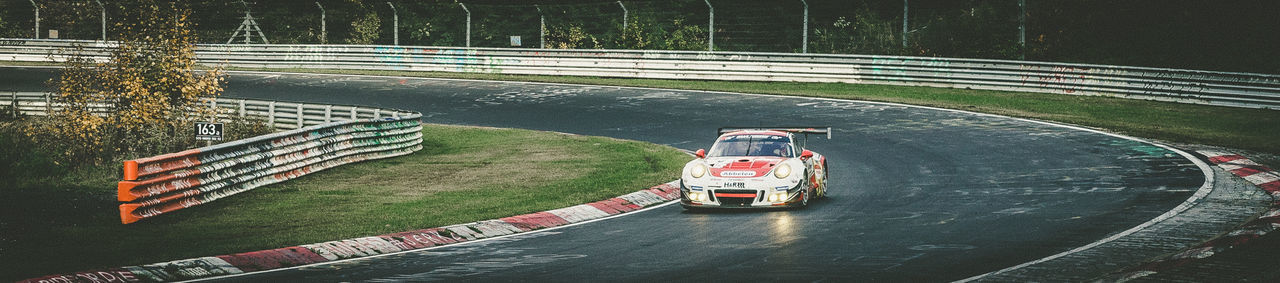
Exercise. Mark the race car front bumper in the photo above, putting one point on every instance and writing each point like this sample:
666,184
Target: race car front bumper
695,197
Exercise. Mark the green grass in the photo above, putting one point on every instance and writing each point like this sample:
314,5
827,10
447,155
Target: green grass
463,174
1250,129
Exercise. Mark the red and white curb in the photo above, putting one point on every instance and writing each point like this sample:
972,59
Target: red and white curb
1265,178
206,267
1253,172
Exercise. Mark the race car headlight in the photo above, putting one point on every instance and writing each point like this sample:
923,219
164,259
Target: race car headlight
698,171
777,197
782,171
697,196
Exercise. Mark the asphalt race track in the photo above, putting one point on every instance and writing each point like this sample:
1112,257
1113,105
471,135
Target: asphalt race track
917,194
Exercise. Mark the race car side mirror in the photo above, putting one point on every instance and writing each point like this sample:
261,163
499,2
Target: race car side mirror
700,153
806,154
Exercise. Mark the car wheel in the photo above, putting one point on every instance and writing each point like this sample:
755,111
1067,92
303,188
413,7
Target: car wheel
804,201
825,177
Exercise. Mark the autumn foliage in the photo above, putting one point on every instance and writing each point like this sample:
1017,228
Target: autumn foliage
139,100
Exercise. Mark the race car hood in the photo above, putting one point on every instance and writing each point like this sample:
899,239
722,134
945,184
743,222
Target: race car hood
743,166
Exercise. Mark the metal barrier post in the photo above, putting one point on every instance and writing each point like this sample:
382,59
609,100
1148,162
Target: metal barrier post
48,104
328,114
271,114
299,116
15,104
353,113
377,113
213,106
242,108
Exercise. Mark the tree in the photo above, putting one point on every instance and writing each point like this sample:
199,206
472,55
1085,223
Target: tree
148,86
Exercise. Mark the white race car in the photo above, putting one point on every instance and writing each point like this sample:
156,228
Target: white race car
755,168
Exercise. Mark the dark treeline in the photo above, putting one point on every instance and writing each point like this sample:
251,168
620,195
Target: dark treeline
1195,34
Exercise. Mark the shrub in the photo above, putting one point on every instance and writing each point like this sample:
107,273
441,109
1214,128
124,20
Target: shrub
142,101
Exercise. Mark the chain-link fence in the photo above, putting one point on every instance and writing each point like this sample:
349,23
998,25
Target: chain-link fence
1234,35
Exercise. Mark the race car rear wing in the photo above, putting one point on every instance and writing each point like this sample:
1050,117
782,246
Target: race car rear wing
795,130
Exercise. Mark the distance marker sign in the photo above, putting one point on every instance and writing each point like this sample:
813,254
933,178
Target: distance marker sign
208,131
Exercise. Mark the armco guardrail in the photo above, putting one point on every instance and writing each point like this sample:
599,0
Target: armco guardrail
1186,86
323,136
166,183
277,114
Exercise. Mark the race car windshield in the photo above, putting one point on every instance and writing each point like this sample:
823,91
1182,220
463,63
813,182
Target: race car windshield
752,145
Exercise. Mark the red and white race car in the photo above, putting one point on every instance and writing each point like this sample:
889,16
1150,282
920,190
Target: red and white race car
755,168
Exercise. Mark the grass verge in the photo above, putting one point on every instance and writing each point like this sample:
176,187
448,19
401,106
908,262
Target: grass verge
69,223
1251,129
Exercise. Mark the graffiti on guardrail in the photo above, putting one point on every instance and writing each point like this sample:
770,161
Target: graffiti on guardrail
1063,79
903,69
461,60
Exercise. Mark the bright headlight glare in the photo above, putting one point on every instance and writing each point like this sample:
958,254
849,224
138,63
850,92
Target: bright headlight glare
698,171
698,196
782,171
777,197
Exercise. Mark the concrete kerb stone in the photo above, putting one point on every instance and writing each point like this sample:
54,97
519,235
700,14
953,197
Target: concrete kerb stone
1220,205
182,270
1265,179
266,260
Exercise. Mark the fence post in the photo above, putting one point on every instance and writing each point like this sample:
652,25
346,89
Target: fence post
377,113
15,104
104,19
353,113
804,40
322,23
395,24
624,17
299,116
271,114
1022,29
33,3
242,108
464,8
711,26
542,28
48,104
904,23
